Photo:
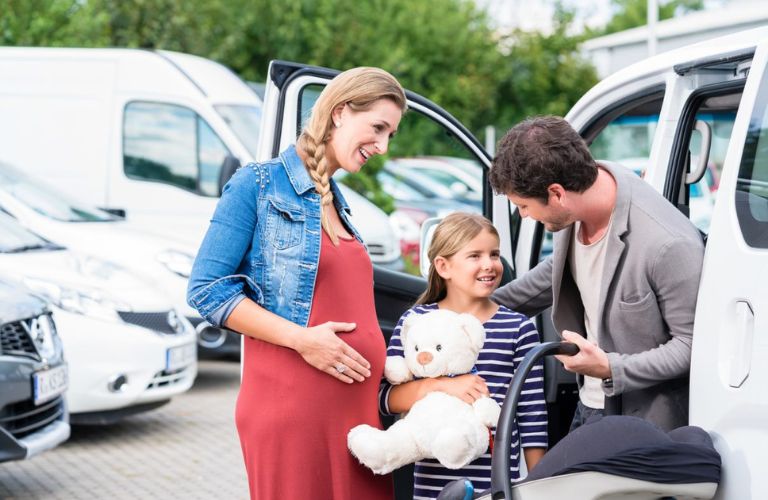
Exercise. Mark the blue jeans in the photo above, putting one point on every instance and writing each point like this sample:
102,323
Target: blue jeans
582,414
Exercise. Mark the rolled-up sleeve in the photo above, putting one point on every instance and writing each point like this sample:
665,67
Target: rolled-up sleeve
217,283
395,348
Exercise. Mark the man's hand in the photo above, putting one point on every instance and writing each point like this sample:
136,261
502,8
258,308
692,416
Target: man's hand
590,360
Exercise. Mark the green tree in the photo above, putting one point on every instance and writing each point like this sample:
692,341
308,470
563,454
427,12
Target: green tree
51,23
633,13
544,72
442,49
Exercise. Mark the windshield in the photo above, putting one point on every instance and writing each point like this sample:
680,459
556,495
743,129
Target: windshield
15,238
245,122
46,201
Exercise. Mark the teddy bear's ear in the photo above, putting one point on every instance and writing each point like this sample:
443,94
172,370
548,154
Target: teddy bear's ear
407,324
472,327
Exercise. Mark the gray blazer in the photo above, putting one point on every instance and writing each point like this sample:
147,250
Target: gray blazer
648,299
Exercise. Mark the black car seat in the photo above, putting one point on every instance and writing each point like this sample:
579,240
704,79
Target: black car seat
612,457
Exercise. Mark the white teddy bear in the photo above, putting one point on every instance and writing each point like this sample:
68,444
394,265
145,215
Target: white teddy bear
439,425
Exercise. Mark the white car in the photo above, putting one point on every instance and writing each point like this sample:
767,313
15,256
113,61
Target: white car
463,177
127,349
375,229
87,230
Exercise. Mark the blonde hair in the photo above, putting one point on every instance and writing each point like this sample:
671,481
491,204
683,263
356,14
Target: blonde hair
453,233
359,88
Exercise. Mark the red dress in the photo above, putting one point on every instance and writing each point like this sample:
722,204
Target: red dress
293,419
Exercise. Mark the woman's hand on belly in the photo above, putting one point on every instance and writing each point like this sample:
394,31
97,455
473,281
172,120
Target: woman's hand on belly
321,347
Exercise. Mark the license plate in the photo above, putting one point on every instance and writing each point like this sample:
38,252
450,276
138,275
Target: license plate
48,384
180,356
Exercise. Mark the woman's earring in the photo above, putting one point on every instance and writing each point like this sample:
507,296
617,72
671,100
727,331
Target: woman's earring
337,124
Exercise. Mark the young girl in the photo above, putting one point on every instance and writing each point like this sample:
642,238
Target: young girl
465,268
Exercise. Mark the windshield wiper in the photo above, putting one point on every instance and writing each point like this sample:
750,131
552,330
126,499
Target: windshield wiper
35,246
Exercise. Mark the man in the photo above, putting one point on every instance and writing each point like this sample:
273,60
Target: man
622,280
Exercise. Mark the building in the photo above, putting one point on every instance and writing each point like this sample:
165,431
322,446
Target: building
612,52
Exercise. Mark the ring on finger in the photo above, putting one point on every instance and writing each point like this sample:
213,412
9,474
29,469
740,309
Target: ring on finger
341,368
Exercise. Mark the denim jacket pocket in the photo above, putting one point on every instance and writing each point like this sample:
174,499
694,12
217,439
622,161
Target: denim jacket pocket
285,224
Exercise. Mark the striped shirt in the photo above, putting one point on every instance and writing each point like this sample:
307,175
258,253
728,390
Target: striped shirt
509,336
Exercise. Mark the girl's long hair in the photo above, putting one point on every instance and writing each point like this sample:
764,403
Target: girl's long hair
359,88
453,233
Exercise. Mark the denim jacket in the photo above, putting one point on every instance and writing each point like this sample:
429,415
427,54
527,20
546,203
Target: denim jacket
263,242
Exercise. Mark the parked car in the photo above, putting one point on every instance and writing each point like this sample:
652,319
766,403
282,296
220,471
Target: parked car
470,171
374,226
33,377
151,135
426,177
729,76
91,231
415,201
453,174
127,349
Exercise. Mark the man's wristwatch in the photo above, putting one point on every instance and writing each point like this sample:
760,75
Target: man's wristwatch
608,382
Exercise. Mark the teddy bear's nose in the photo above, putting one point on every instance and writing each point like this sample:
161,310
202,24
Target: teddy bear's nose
424,358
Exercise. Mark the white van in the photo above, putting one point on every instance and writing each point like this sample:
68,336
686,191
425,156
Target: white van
148,134
703,107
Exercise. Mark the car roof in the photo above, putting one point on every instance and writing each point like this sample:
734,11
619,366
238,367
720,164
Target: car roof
716,50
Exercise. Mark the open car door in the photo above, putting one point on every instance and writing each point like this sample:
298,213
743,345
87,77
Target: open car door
728,373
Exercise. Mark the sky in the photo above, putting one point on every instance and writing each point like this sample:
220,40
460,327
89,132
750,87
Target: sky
537,14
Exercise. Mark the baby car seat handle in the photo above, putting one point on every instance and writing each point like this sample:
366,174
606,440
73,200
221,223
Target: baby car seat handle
501,486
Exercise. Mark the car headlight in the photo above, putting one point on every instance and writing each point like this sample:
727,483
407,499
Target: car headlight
85,302
43,332
177,262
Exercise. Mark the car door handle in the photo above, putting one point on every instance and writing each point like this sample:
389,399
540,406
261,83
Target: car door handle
741,348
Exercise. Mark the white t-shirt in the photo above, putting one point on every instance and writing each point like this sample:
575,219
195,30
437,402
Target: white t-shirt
587,263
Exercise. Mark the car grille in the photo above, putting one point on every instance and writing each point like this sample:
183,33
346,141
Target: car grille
24,418
164,322
167,379
15,341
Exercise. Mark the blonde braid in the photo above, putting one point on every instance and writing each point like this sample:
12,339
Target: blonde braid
317,167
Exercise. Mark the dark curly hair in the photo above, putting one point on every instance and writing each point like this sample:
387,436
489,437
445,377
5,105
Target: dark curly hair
538,152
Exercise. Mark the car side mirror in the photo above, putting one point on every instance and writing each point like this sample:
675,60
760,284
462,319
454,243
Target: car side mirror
228,168
425,240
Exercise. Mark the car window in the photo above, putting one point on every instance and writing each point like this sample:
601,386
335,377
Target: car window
245,122
15,238
46,201
626,138
695,165
211,154
752,185
173,145
702,194
414,180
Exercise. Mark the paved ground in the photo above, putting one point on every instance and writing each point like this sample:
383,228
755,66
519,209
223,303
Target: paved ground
185,449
